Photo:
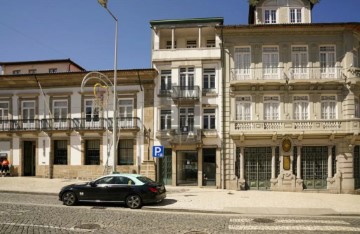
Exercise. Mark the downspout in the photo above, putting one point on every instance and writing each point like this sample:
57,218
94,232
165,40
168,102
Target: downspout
223,142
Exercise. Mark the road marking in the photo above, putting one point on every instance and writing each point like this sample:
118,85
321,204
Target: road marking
293,228
295,221
47,226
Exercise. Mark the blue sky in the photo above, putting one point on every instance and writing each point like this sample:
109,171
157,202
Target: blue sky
84,32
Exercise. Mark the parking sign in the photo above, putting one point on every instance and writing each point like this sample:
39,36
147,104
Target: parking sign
158,151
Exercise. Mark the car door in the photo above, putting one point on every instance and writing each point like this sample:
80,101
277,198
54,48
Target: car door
121,187
97,190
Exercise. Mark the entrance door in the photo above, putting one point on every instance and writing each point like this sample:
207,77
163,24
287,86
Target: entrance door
187,168
258,167
314,166
209,167
29,158
166,167
357,166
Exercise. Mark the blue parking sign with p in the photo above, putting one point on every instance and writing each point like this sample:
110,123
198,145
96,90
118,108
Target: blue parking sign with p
158,151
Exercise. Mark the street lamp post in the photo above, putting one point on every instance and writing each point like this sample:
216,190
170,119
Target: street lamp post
103,3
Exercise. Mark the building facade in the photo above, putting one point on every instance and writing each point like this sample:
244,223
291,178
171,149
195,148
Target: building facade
291,101
188,94
51,127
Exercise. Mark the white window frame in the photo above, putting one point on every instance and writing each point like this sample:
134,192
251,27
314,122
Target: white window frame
297,12
28,113
209,116
186,119
126,112
165,81
243,106
300,62
165,119
328,107
60,113
271,108
327,58
270,60
92,118
4,115
210,43
209,78
271,15
191,43
242,61
301,107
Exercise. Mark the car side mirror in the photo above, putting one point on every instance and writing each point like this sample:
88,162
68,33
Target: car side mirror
92,184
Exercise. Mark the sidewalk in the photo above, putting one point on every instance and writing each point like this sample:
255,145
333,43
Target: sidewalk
217,200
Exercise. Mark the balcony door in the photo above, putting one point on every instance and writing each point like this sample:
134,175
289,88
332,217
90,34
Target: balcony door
187,77
4,115
91,114
126,113
186,119
28,114
327,62
60,112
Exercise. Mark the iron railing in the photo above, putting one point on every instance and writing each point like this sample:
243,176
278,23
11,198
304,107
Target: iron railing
185,92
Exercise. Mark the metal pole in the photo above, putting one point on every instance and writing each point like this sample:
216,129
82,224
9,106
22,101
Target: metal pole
103,3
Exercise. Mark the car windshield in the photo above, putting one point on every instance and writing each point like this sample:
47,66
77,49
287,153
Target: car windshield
145,179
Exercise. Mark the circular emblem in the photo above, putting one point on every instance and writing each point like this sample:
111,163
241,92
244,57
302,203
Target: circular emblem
286,145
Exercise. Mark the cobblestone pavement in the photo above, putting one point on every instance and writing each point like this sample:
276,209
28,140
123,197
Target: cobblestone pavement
26,213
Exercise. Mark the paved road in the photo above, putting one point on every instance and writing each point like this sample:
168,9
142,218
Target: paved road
26,213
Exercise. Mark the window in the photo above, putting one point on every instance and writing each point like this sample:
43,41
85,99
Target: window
28,114
92,152
165,85
191,44
209,78
32,71
270,16
327,61
299,57
52,70
301,107
357,108
210,43
91,112
186,119
60,111
295,15
242,60
243,108
60,152
126,113
271,62
328,107
126,152
16,72
4,115
187,77
165,119
209,118
168,44
271,108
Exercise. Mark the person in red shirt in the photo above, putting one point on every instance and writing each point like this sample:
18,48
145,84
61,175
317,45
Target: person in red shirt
5,167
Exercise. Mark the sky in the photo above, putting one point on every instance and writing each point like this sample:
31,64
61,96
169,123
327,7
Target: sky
85,32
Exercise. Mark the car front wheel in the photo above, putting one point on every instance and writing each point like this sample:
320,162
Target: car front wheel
133,201
69,198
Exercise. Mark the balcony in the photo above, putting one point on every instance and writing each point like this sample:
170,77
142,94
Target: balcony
186,54
186,135
68,124
238,128
186,93
280,73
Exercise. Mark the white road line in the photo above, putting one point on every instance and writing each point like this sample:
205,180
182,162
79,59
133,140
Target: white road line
294,228
46,226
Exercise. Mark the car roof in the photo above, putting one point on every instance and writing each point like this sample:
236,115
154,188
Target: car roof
126,174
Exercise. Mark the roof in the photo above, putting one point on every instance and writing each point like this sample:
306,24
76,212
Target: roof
219,20
44,62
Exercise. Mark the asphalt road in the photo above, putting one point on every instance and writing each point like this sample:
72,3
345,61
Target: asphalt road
26,213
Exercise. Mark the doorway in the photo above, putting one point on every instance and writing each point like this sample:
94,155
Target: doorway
187,168
209,167
166,167
314,166
29,158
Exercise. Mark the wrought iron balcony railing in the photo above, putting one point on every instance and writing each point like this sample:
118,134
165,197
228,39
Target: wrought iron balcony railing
185,92
269,73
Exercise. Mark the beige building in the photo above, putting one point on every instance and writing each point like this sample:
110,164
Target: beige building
291,101
50,127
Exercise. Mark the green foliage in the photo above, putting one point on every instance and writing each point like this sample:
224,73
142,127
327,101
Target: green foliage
255,2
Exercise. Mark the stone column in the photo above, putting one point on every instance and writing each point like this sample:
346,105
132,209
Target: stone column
200,167
330,172
173,173
242,164
298,163
199,38
172,38
273,163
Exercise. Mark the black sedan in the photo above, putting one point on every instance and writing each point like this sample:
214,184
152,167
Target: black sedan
131,189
